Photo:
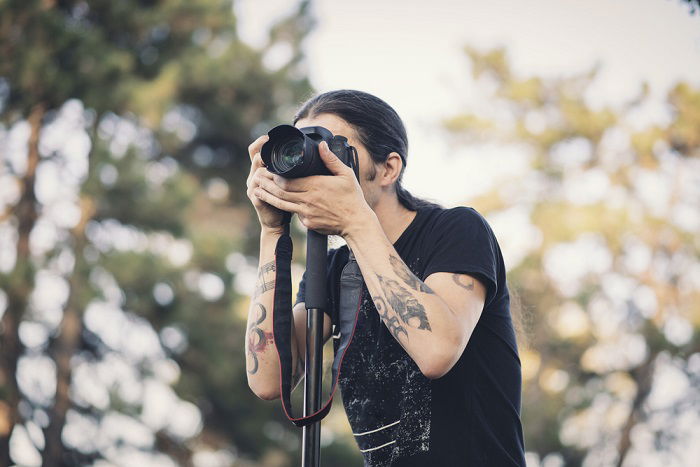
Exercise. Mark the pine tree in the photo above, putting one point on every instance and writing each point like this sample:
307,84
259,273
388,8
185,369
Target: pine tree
141,222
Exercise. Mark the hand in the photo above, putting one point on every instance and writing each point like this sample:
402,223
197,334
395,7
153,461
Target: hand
331,205
269,216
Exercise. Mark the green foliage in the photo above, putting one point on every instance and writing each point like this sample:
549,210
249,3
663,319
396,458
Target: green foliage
585,388
169,98
693,5
684,133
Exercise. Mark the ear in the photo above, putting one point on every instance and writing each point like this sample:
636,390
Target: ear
392,169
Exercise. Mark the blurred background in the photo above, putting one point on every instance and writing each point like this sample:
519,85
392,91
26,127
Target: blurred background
128,246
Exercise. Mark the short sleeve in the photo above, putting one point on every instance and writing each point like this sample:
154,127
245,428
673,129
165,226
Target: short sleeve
462,242
302,290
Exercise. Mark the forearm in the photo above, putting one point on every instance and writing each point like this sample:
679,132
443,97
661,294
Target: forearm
419,320
262,363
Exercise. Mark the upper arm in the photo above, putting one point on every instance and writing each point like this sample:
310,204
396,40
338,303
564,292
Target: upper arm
464,295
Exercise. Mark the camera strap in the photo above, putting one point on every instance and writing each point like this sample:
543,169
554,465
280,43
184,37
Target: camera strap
350,299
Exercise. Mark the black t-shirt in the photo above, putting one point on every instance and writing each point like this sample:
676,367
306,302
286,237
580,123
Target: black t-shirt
471,415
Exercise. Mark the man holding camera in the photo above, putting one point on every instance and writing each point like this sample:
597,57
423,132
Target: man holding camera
432,376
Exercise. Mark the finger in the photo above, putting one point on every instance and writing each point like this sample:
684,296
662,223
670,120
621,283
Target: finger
254,167
257,162
272,200
334,164
256,145
262,172
304,220
296,185
257,175
274,189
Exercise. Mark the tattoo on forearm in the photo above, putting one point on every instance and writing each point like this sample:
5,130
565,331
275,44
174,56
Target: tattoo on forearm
407,276
463,281
262,285
257,338
392,322
409,309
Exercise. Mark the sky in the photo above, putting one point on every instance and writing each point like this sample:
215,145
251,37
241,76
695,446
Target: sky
410,53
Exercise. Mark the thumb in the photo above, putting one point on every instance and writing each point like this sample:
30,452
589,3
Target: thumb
331,161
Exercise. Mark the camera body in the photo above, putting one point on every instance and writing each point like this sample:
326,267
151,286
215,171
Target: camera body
293,152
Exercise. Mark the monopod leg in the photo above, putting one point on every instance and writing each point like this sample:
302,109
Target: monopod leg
315,298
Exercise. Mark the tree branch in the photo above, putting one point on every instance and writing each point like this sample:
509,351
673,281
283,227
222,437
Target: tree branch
67,341
644,377
19,286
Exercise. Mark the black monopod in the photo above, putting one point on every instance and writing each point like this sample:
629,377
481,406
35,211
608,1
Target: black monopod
316,252
293,153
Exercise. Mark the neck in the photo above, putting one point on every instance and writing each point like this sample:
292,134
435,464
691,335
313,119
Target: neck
393,217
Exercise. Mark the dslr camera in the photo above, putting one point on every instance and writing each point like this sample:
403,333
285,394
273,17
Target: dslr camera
293,152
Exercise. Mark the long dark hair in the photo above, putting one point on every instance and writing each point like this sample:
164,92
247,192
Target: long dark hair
379,128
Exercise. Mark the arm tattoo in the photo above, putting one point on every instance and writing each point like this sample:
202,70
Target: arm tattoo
392,322
407,276
262,286
257,338
410,310
463,281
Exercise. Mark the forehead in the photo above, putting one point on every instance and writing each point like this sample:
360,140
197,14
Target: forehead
333,123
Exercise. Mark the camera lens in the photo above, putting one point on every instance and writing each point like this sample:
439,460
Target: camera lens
288,155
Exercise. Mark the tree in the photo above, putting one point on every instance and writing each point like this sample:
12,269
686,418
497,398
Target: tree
605,210
694,5
123,143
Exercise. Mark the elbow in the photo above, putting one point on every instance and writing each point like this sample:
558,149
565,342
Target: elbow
266,393
440,360
435,367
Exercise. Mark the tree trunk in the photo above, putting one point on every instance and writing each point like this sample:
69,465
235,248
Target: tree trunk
66,343
179,452
644,377
64,348
19,288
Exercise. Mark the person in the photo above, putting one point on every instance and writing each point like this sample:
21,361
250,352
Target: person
432,376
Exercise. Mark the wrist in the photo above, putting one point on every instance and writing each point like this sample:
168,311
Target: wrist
271,232
363,225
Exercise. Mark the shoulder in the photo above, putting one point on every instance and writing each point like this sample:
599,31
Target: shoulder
462,213
459,219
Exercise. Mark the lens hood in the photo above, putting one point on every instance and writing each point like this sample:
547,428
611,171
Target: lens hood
309,163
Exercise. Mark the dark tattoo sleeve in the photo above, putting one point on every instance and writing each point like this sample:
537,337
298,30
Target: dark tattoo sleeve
463,281
409,309
392,322
257,338
263,285
407,276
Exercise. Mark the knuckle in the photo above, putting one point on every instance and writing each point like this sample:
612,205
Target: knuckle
281,182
